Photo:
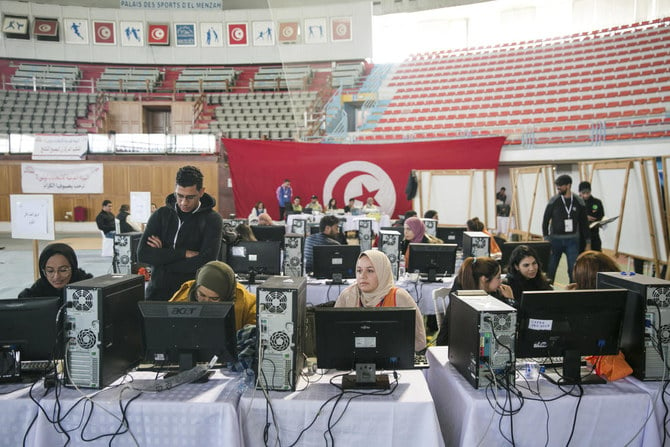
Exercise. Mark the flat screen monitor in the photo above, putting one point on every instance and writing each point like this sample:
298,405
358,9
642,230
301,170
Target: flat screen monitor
432,260
570,324
542,248
188,333
364,340
451,234
250,258
269,232
29,330
335,261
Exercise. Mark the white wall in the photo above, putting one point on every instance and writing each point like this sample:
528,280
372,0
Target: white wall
360,47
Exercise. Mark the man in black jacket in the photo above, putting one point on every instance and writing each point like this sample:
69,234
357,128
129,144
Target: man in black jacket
105,219
181,236
563,224
594,213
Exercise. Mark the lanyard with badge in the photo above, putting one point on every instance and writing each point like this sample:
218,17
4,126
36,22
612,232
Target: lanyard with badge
568,222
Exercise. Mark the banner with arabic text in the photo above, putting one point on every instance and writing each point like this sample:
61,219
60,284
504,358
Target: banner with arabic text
43,178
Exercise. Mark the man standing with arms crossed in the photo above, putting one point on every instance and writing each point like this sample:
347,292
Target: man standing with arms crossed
181,236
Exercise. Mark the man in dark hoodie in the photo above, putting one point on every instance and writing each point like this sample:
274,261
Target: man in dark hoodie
181,236
58,268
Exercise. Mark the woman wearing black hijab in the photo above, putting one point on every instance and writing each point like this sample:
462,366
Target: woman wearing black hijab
58,268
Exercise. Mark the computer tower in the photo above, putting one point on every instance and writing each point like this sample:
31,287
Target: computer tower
125,252
646,328
299,226
280,318
431,226
364,233
389,243
294,246
476,244
482,337
103,329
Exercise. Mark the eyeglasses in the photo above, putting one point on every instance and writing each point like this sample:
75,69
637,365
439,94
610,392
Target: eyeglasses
185,198
60,270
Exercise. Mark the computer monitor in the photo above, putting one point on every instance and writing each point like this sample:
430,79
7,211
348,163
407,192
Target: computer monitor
365,339
335,262
269,232
432,260
29,330
542,248
187,333
570,324
251,258
451,234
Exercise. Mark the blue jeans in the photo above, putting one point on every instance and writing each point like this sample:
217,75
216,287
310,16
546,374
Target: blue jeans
110,234
560,245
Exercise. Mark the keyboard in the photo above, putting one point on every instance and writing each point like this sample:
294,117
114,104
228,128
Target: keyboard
420,361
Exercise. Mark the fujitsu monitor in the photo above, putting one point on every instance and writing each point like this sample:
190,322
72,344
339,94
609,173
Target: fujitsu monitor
262,257
335,262
364,340
432,260
570,324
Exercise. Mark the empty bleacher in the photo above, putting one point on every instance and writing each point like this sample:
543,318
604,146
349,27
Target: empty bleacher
276,78
261,114
128,79
43,112
45,77
206,80
347,74
590,87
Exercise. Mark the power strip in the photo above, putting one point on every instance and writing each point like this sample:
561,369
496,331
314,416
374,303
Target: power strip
159,385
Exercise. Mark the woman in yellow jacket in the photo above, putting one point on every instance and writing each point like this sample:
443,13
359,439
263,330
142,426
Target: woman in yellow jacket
214,282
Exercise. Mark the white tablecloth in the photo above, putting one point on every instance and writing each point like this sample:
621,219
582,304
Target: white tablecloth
190,414
404,418
614,414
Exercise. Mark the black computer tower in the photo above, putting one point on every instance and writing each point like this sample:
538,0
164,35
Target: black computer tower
482,332
646,328
280,316
103,329
125,252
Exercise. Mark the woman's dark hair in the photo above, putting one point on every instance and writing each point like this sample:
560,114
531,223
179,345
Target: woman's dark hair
260,202
474,268
587,266
124,208
475,224
332,203
517,255
430,214
189,176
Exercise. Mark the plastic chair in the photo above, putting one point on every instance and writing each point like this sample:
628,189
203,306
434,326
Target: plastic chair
441,301
107,245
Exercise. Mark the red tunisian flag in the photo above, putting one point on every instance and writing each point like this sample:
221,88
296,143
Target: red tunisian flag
344,171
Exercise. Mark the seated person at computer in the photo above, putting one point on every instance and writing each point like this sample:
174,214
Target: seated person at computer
126,223
482,273
257,210
475,224
265,219
245,233
58,267
430,214
215,282
332,204
351,206
296,207
524,271
314,205
370,206
415,232
329,232
587,266
374,287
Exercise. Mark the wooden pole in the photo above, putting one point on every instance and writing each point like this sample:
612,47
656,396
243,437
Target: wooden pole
36,256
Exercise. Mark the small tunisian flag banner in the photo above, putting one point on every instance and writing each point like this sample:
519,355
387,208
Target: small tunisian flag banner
344,171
